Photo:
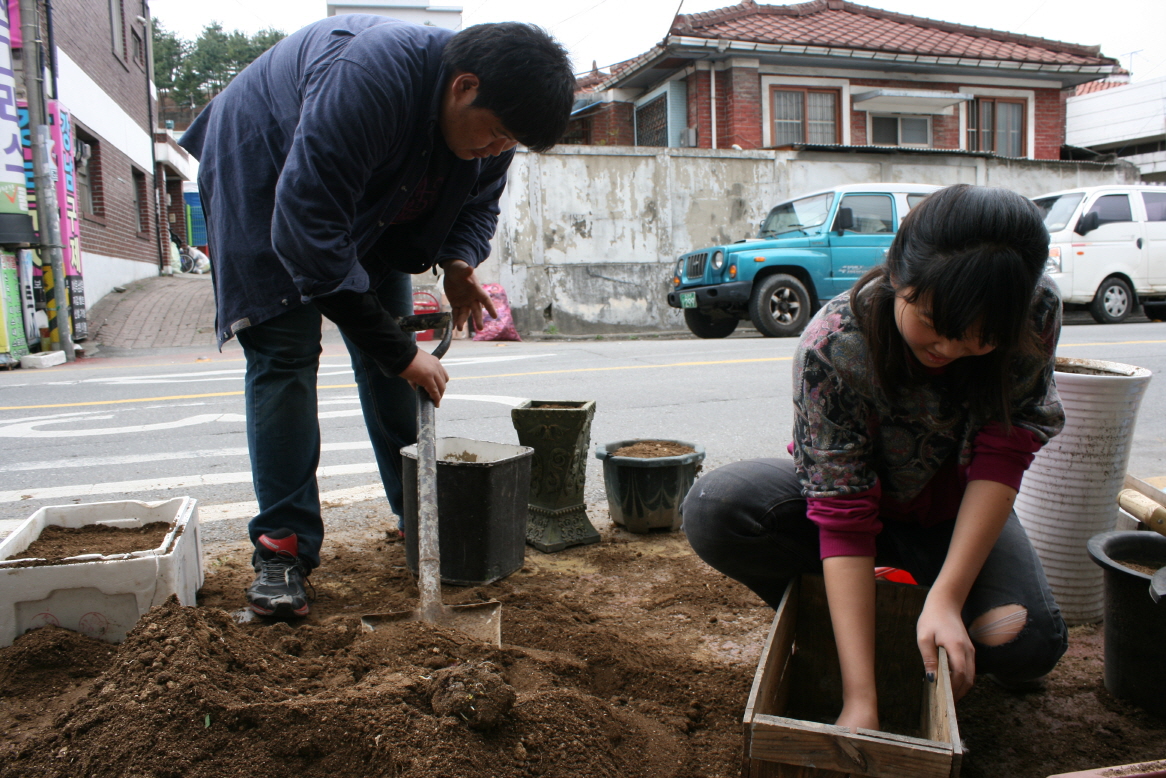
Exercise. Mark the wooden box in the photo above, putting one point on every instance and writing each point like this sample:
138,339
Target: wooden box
798,685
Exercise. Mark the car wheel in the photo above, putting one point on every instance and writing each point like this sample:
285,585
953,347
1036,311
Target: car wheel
780,306
703,325
1113,303
1155,311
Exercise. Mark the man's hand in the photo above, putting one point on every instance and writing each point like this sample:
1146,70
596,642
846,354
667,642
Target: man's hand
465,294
427,372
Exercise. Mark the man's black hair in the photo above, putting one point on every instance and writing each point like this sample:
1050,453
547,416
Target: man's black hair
973,256
525,78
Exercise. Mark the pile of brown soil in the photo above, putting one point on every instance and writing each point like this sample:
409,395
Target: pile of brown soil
650,449
625,659
55,543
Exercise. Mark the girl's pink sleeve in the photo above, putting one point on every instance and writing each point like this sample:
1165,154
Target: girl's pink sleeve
847,524
1001,457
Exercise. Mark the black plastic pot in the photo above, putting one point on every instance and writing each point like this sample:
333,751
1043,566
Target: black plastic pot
481,509
645,493
1135,625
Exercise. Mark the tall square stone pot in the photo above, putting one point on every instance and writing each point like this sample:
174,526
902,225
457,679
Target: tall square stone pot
559,431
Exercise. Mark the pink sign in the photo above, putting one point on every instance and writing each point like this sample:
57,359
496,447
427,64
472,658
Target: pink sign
14,23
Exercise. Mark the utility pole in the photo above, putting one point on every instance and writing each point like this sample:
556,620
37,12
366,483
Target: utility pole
48,215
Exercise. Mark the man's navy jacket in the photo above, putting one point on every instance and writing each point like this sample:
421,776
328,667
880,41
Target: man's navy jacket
310,152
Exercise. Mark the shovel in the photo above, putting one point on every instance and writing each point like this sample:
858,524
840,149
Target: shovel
483,620
1153,515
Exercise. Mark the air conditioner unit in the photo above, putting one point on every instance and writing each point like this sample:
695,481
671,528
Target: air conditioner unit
688,137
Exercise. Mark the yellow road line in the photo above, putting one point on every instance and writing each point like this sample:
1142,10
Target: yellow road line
352,386
1113,343
118,402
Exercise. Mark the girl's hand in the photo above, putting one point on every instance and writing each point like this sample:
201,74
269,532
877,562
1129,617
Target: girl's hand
940,624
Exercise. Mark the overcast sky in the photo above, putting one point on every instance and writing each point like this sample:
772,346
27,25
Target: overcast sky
609,31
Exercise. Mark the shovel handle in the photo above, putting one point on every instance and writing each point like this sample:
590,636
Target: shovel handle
428,538
1143,509
428,545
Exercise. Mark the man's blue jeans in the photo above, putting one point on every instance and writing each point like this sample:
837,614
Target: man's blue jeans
283,428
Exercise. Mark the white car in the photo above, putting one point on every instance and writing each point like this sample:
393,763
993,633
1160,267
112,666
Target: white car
1107,248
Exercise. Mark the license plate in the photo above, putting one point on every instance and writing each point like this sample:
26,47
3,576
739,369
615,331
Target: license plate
688,299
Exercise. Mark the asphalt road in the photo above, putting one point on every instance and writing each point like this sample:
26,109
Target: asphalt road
166,424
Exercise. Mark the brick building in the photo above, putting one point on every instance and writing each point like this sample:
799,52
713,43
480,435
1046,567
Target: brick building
128,174
831,73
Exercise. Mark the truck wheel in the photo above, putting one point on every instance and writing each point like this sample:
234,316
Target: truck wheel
1113,303
780,306
703,325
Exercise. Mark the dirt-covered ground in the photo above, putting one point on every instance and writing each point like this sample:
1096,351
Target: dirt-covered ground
628,658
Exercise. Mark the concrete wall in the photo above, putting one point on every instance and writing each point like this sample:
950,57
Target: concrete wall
588,234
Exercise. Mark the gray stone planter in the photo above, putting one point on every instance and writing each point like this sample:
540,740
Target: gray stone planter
645,493
559,431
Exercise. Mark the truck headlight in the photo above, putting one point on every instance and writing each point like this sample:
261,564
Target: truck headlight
1053,263
718,260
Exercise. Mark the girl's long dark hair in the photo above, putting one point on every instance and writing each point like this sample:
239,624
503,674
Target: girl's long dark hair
973,255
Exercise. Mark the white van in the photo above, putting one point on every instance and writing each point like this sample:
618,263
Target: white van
1107,248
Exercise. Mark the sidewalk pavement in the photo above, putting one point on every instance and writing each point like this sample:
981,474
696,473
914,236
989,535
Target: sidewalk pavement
161,312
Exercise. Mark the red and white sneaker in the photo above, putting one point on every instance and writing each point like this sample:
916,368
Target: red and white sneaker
278,589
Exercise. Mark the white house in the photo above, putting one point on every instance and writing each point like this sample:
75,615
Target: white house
1126,120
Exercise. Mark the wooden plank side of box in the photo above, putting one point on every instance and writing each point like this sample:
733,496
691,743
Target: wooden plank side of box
829,749
767,688
939,714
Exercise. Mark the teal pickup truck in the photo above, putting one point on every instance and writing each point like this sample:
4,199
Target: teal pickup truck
808,250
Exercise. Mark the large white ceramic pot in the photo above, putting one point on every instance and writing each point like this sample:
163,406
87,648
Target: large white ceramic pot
1069,494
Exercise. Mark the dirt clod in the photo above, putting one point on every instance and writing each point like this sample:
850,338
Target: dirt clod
474,692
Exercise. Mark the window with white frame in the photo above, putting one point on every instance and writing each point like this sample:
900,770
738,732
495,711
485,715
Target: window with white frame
661,115
804,115
900,130
997,125
117,27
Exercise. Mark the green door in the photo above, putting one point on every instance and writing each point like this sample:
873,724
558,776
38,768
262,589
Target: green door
864,244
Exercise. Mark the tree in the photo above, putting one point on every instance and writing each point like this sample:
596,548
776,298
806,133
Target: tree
189,73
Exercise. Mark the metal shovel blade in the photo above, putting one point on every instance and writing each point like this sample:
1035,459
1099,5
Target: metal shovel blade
1158,585
480,620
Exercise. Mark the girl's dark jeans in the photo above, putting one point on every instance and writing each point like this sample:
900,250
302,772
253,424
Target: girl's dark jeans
748,520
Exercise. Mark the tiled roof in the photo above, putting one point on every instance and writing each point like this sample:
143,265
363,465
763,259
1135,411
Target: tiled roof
1098,86
597,80
842,24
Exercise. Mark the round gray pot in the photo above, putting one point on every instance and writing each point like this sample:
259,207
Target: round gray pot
645,493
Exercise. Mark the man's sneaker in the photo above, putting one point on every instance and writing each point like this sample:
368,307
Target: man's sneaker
278,589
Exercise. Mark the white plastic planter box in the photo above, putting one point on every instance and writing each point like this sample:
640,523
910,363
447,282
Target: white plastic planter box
100,596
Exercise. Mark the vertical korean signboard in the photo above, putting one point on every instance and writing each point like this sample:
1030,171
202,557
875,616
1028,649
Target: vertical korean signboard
13,196
64,178
13,192
64,144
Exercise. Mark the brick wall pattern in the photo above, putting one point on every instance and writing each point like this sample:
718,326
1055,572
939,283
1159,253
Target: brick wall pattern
740,113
